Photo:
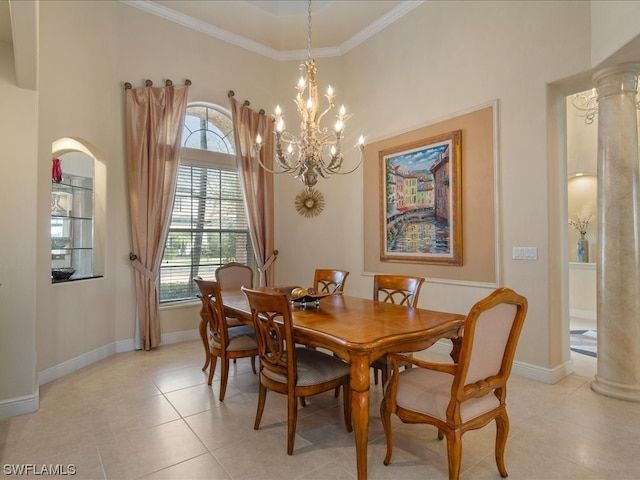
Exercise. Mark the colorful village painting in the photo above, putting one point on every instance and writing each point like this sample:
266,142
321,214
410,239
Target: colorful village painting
422,201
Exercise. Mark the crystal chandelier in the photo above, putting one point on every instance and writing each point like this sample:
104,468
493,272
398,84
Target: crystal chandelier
318,150
587,103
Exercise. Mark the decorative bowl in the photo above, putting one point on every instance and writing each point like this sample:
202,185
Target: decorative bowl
62,273
60,242
313,297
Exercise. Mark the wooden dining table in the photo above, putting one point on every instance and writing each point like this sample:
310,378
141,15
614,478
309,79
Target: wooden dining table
359,331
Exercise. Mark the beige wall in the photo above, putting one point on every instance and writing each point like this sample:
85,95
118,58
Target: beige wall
614,23
454,56
18,194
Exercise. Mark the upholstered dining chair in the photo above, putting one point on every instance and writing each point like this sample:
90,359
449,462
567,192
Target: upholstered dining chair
329,281
232,276
287,369
397,289
224,342
469,393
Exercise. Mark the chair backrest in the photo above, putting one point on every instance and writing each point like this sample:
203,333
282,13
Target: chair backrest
329,281
399,289
491,332
213,309
234,275
271,315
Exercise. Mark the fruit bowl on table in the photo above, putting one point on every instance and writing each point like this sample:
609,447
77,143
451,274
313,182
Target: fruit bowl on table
300,295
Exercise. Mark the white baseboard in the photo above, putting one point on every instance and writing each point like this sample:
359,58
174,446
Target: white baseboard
19,406
31,403
584,314
73,364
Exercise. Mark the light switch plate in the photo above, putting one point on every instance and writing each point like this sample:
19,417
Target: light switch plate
525,253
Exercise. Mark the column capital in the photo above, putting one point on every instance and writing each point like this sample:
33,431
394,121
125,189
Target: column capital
631,67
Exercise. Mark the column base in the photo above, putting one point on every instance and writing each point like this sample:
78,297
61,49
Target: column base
630,393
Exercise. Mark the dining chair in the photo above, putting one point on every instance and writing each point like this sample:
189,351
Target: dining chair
224,342
205,288
287,369
396,289
469,393
329,281
232,276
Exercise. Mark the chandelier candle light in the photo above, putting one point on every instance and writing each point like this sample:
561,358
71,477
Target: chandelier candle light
317,151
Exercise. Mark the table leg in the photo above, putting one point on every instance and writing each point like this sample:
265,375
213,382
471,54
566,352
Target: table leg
360,382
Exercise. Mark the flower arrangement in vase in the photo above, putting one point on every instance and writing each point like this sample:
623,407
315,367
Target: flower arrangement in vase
582,247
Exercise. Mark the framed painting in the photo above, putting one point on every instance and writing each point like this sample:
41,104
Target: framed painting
421,201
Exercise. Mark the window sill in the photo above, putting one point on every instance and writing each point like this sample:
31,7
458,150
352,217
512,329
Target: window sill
75,279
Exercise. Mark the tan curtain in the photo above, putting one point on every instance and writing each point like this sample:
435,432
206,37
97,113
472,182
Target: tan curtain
257,184
154,121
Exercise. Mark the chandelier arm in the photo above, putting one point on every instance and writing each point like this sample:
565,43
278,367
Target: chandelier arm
353,169
324,113
283,163
285,167
267,168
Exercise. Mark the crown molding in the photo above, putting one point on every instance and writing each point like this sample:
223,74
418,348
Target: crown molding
203,27
256,47
380,24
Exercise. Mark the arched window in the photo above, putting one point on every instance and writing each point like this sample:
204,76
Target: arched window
208,127
209,225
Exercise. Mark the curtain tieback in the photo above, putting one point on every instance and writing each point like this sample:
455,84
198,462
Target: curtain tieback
272,258
135,261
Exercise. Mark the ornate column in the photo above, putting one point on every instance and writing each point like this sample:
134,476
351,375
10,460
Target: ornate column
618,271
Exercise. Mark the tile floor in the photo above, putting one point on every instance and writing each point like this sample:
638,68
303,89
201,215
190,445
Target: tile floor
151,415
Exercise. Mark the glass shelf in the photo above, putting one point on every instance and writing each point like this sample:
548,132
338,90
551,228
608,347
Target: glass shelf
72,226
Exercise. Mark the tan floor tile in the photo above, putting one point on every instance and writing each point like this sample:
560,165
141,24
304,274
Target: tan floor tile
134,453
152,414
203,467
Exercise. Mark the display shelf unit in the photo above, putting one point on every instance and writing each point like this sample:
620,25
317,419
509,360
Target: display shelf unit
72,223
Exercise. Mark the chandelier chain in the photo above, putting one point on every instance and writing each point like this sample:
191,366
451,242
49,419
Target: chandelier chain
309,32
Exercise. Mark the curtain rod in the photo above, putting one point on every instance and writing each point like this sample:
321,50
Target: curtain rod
149,83
246,103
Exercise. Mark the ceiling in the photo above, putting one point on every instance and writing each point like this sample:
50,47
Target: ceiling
277,29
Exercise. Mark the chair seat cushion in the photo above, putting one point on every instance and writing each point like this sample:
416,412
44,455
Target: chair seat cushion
429,392
240,338
314,367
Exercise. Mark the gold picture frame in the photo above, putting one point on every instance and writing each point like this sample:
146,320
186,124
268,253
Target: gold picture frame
421,201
